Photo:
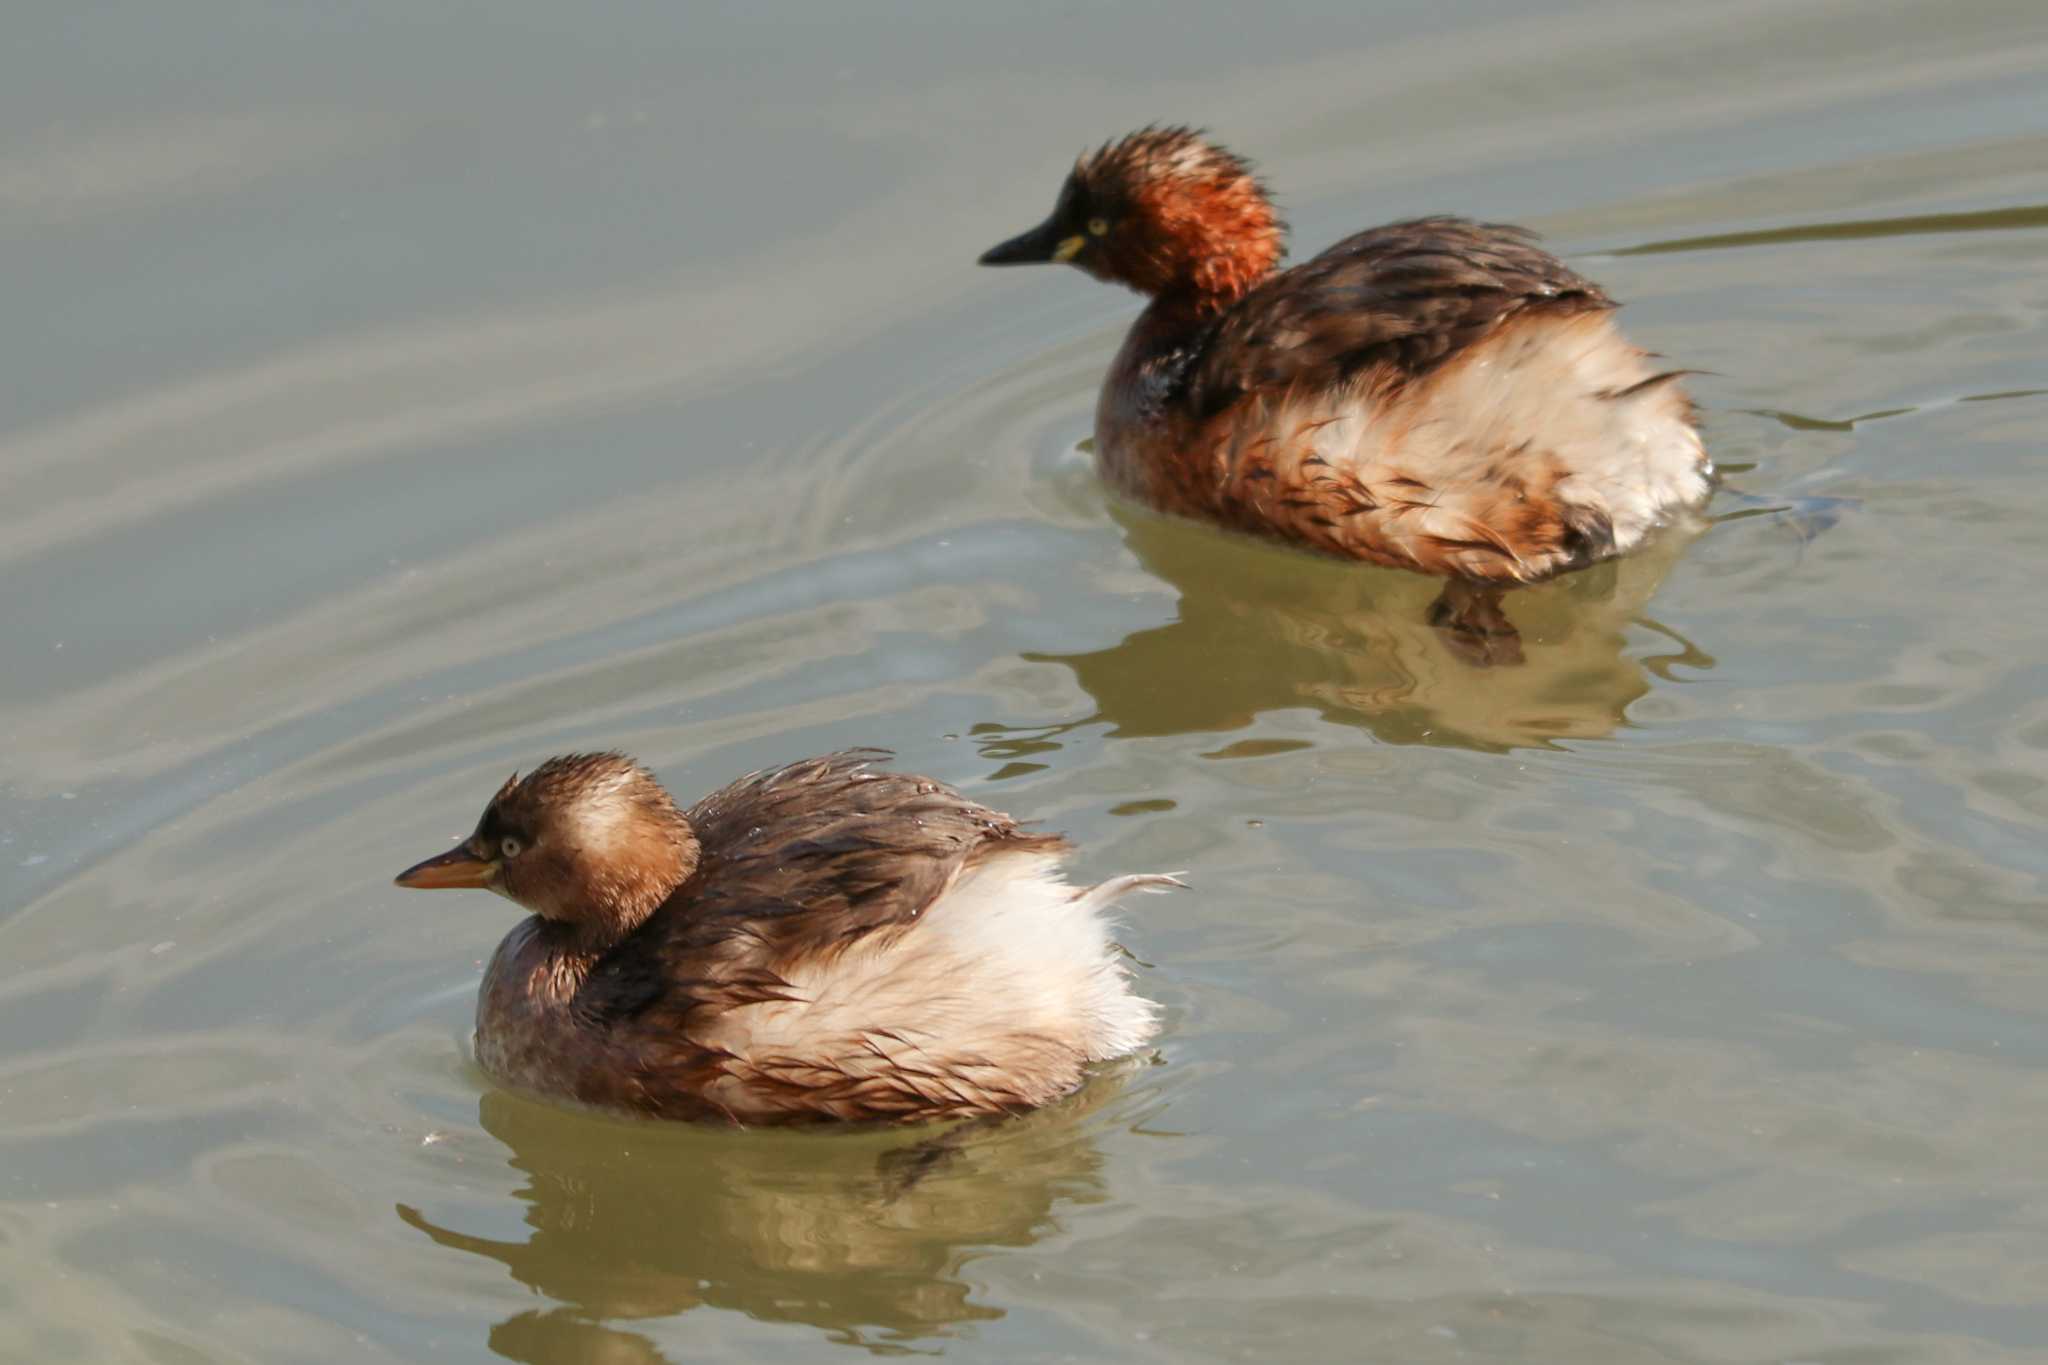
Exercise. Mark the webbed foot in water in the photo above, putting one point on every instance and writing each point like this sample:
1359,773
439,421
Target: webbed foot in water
1474,626
1806,515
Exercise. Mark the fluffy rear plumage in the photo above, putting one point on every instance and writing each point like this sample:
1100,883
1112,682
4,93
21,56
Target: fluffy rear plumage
1006,987
1549,445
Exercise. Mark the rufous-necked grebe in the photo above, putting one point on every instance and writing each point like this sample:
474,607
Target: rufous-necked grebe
1439,395
821,941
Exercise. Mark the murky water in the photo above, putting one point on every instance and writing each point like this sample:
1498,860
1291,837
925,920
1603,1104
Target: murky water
395,395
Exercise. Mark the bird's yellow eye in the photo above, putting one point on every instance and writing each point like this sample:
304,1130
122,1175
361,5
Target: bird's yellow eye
510,847
1099,226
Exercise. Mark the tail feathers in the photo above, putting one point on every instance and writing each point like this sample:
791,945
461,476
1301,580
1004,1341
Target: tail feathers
1102,895
1643,386
1122,1020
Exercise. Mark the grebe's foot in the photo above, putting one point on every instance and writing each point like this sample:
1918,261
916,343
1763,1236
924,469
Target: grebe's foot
1474,626
902,1168
1806,516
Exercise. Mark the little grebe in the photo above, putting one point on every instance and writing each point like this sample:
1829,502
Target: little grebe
1439,395
816,942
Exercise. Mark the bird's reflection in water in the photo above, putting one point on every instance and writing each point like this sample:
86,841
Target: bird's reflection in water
865,1235
1262,629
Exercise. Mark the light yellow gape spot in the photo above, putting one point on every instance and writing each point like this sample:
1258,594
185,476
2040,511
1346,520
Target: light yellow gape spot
1069,248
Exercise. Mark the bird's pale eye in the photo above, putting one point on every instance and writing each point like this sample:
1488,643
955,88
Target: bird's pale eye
1099,226
510,847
